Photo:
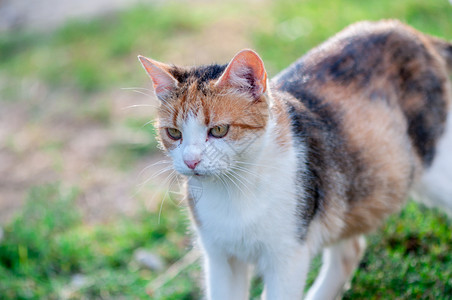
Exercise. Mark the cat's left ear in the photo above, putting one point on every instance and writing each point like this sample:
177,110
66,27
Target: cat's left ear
164,82
245,73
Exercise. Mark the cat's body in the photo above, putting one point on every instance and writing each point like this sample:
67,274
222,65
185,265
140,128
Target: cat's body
313,159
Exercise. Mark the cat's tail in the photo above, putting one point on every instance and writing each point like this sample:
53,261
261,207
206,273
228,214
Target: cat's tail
444,49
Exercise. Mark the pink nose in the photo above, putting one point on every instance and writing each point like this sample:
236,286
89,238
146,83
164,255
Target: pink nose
192,163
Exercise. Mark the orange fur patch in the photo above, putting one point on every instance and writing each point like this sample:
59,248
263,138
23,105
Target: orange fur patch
221,107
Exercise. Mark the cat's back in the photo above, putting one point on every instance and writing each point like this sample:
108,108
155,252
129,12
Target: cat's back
383,61
371,104
375,66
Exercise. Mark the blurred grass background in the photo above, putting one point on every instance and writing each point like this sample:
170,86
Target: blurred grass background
75,148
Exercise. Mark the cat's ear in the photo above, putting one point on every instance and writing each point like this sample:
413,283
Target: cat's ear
246,73
164,82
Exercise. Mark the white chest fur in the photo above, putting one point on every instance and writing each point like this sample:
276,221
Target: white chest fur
253,214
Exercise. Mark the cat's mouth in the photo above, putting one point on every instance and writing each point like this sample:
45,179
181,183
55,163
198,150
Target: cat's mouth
197,173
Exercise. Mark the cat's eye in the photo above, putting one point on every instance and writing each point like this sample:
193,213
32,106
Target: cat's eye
174,133
219,131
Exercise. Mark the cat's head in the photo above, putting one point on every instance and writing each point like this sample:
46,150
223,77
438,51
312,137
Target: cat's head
211,119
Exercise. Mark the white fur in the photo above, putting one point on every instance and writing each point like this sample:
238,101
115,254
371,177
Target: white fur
246,217
237,77
436,186
338,265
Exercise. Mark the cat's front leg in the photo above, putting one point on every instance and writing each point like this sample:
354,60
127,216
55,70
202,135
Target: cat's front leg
226,277
285,275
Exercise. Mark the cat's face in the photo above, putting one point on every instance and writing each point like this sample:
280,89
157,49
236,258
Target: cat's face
212,119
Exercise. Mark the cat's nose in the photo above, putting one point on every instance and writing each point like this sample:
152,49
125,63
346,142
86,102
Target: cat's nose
192,163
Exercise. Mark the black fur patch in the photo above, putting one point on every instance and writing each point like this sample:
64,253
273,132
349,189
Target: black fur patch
417,83
316,125
350,60
356,62
303,122
201,74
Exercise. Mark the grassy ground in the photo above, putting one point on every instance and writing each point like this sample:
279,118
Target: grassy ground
48,244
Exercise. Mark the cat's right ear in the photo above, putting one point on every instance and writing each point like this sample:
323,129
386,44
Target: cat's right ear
245,73
164,82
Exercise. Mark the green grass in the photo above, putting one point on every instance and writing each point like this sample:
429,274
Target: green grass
47,243
92,55
410,258
101,53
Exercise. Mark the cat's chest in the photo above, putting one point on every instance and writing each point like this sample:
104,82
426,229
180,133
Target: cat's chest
242,222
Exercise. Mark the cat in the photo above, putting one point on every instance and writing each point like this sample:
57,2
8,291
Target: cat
278,170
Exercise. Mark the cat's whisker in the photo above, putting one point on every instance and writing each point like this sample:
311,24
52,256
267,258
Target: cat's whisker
250,163
162,105
181,191
139,105
143,93
166,169
234,172
230,184
170,178
160,162
226,183
178,186
148,105
161,171
226,186
137,88
143,184
174,187
147,123
231,178
167,181
256,165
187,193
245,170
239,179
251,178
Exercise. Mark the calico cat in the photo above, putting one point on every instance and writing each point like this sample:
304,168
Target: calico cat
313,159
